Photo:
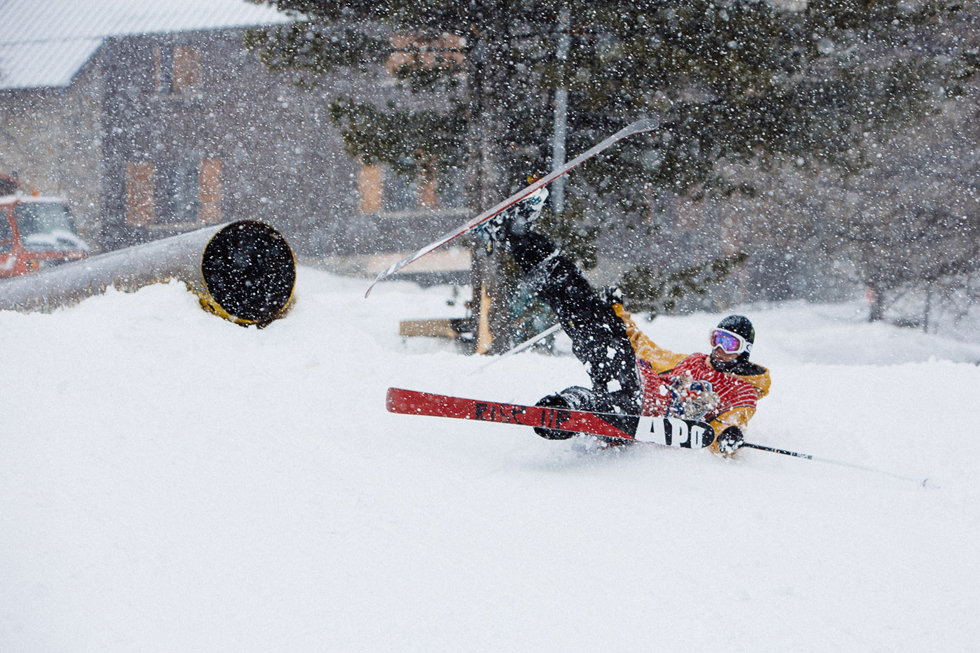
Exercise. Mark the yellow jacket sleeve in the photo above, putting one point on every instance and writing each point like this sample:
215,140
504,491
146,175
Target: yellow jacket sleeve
660,359
740,416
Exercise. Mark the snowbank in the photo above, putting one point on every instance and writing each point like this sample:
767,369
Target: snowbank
173,482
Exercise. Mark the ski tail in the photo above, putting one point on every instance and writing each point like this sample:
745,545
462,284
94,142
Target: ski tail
638,127
413,402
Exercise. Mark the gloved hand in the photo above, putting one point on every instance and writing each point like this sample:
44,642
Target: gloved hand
611,295
730,440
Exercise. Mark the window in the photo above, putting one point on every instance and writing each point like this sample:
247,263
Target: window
167,194
382,191
177,199
163,69
445,51
47,227
177,69
187,69
427,192
400,195
209,190
139,194
6,232
370,185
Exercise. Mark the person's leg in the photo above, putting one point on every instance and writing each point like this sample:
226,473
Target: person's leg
598,336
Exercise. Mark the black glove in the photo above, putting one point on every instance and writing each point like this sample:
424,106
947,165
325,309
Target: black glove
730,440
611,295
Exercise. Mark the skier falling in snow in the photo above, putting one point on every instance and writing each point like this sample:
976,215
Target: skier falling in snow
630,373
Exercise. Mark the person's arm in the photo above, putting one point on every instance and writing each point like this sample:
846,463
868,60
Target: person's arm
660,359
738,418
730,428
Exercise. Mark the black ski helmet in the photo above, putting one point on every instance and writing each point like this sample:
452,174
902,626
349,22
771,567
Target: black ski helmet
740,325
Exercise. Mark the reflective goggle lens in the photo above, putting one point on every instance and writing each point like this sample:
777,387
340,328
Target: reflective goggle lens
728,341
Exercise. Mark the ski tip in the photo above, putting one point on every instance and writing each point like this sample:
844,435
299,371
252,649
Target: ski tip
644,125
377,280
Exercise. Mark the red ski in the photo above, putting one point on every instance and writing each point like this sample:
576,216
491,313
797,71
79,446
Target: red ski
637,127
667,431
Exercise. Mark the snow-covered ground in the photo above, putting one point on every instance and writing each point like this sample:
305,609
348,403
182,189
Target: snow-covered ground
172,482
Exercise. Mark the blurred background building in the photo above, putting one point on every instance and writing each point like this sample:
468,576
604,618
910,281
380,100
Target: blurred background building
152,119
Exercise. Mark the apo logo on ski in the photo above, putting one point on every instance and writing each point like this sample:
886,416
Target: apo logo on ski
675,432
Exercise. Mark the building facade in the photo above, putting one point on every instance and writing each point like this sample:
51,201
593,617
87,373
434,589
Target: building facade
158,129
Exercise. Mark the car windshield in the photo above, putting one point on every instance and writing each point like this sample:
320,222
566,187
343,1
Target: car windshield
47,227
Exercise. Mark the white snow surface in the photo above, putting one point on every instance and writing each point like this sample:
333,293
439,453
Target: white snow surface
172,482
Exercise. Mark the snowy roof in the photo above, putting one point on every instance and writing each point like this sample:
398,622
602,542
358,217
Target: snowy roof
45,43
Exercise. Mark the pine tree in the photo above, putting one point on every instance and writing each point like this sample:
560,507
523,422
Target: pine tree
731,81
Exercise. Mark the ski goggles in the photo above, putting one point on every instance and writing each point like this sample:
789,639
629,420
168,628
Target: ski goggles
731,343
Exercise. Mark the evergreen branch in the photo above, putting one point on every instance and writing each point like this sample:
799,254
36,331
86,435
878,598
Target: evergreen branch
411,143
650,290
309,48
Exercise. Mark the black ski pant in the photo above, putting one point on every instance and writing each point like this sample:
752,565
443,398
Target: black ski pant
599,337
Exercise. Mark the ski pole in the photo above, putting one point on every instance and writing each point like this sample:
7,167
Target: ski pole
524,345
796,454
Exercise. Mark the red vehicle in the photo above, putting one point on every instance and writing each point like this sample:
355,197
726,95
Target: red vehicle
36,232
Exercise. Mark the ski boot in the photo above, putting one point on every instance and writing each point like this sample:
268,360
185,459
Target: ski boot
574,398
516,220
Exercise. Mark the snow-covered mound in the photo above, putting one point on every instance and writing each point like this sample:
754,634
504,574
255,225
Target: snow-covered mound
172,482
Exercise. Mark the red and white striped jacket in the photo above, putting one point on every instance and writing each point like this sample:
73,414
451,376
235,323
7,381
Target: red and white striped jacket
688,386
693,389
